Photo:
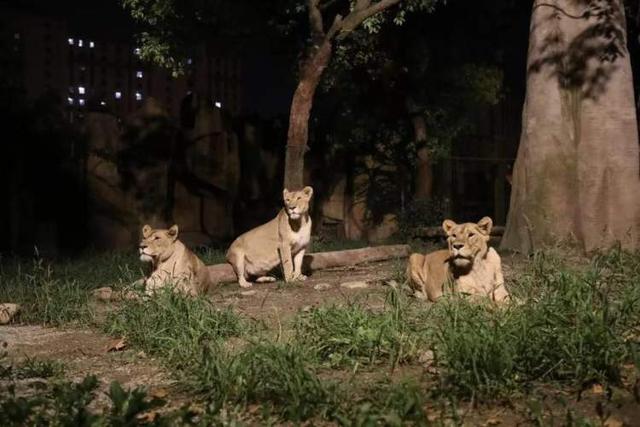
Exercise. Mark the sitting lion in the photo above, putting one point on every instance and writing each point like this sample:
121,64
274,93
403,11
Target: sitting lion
281,241
469,265
172,262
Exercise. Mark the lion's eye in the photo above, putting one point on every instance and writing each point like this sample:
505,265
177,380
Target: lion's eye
472,234
454,236
156,238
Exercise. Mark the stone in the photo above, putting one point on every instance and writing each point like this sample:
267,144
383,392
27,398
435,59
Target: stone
322,286
248,293
354,285
8,312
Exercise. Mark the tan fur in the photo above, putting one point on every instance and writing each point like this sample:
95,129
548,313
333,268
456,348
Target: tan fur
469,266
172,262
281,241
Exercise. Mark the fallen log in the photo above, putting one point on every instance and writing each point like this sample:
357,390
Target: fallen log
221,273
433,232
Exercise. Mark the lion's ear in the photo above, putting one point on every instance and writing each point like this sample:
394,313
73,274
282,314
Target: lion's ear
285,193
173,231
308,191
146,231
448,225
485,225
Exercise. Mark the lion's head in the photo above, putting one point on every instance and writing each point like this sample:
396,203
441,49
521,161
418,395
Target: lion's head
296,203
467,241
157,245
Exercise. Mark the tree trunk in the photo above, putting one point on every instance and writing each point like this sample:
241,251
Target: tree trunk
299,116
423,183
577,170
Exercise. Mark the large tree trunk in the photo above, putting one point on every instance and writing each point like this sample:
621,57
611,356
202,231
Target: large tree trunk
577,170
423,183
299,116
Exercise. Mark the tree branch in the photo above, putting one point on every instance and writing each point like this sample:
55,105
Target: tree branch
315,20
355,17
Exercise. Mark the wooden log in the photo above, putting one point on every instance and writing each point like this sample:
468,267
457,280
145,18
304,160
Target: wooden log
433,232
221,273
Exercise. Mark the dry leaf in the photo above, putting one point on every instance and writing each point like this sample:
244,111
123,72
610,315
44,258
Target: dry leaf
117,345
147,417
159,393
597,389
493,421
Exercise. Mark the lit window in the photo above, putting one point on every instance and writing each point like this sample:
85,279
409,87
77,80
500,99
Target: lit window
70,41
218,104
189,61
103,103
80,43
136,51
70,101
138,96
139,74
81,90
118,95
81,101
16,36
92,45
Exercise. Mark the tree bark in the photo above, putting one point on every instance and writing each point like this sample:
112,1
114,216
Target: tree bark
423,183
576,174
301,104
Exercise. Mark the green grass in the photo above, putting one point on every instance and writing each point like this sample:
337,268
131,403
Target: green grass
572,326
354,334
174,326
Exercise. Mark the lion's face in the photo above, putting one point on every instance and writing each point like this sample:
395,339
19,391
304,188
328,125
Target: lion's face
157,244
467,241
296,203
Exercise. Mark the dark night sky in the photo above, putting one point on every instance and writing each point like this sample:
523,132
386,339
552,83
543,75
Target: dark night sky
268,77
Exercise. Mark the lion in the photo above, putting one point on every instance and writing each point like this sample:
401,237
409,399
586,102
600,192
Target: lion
469,265
172,263
281,241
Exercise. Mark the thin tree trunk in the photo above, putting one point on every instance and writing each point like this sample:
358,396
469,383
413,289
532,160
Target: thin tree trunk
423,183
577,171
301,104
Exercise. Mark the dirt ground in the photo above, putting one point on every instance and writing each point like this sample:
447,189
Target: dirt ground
84,351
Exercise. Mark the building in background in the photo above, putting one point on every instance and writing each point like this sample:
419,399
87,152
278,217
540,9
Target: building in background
90,71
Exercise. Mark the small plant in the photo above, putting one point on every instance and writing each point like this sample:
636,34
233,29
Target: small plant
572,326
45,298
174,326
387,404
354,334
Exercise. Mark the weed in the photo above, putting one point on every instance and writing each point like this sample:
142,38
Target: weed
174,326
572,326
354,334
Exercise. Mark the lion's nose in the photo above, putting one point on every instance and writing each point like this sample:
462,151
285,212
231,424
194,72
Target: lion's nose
143,245
458,246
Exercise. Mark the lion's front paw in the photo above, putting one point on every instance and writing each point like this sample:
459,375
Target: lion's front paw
245,284
301,277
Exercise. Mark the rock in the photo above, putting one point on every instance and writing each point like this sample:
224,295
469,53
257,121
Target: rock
354,285
103,294
7,312
322,286
248,293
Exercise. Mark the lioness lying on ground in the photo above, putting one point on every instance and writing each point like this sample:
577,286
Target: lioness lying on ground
172,262
283,240
469,266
